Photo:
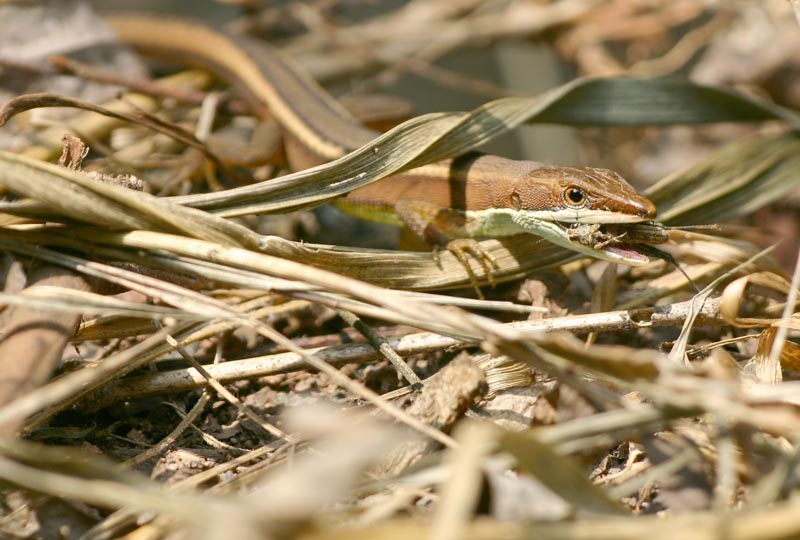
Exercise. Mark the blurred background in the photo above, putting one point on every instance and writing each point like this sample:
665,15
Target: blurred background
457,54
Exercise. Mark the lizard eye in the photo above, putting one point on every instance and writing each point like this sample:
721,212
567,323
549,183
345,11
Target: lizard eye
574,197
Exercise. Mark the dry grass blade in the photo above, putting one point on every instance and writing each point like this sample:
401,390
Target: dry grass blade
734,295
772,348
461,492
559,474
68,471
741,178
72,301
778,345
75,195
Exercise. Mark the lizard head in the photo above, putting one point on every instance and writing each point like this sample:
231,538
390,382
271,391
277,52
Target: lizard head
594,211
582,195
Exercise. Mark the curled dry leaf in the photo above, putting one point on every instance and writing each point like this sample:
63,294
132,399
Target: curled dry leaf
735,293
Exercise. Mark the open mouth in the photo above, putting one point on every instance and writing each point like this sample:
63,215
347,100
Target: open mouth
629,243
630,254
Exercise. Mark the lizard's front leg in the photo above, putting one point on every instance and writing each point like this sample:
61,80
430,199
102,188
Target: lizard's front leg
449,229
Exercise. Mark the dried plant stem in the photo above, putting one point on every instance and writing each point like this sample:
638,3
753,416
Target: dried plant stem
185,379
33,341
377,341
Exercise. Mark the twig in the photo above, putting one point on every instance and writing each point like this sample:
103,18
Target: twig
186,379
380,344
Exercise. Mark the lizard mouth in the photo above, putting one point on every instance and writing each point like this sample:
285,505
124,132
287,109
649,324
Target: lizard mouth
630,243
627,253
627,243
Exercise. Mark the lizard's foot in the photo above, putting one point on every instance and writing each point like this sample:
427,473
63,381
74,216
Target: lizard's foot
461,248
445,227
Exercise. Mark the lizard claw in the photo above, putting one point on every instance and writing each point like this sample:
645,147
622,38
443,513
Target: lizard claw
444,228
461,247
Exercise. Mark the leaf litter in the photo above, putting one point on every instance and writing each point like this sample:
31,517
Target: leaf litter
611,439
